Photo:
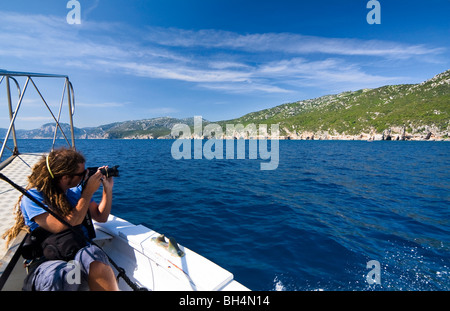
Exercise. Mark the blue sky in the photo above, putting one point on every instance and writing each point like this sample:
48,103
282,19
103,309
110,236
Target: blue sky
219,59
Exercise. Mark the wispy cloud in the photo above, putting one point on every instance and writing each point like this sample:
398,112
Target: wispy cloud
213,59
101,105
158,111
36,118
179,72
285,42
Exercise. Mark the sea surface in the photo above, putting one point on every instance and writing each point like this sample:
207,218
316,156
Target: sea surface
313,223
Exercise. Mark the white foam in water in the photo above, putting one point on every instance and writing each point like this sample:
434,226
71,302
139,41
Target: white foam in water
279,287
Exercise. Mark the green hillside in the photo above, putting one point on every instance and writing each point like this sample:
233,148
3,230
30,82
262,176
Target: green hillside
415,107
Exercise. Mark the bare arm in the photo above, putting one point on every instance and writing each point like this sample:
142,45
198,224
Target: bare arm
76,216
100,212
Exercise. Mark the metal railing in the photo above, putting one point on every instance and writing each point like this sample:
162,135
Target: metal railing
8,76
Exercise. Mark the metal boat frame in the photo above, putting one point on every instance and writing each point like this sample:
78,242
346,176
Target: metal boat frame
9,76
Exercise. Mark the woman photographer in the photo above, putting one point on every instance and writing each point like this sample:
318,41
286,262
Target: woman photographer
55,181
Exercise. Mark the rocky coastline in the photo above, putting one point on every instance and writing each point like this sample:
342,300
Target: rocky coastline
392,134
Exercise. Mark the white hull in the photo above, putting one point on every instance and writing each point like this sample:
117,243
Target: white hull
153,267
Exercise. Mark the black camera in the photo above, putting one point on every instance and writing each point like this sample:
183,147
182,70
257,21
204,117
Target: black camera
109,172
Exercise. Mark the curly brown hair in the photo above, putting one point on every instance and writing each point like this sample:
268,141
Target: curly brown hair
61,162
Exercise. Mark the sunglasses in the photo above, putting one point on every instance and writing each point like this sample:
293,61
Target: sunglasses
80,174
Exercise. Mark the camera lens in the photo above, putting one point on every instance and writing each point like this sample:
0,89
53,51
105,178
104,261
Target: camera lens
110,172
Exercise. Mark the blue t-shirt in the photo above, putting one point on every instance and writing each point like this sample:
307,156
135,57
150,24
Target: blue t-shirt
31,209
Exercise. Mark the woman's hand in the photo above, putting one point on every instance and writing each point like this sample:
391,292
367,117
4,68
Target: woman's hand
108,182
93,183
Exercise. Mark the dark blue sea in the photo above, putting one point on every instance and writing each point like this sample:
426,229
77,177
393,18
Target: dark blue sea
311,224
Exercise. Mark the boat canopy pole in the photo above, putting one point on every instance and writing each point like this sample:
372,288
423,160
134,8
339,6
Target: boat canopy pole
8,93
71,102
13,118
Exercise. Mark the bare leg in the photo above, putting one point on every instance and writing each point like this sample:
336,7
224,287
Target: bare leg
101,277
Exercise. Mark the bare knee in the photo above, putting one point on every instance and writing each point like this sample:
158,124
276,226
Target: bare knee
101,277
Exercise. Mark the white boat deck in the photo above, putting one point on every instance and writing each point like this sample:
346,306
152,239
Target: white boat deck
17,170
133,248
